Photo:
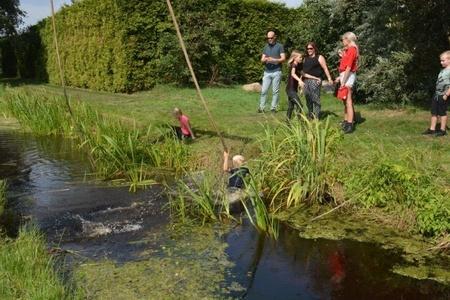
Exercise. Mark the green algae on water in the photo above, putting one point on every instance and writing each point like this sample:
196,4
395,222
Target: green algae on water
190,264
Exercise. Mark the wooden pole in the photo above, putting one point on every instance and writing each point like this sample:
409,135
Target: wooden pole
61,70
194,78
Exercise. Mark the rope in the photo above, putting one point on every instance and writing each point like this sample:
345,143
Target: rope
61,70
194,78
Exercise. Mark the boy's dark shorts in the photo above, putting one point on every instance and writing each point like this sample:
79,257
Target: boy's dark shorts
439,106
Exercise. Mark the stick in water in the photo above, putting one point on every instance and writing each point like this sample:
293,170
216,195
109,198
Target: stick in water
61,70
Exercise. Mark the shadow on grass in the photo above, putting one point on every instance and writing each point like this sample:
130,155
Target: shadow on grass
210,133
326,113
17,82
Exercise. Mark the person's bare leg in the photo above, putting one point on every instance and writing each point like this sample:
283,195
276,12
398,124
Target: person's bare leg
433,122
349,105
444,123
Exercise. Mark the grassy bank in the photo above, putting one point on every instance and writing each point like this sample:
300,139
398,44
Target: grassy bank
117,150
386,168
28,272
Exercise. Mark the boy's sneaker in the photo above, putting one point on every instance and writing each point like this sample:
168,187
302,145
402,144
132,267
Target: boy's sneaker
260,111
429,131
440,133
348,128
273,110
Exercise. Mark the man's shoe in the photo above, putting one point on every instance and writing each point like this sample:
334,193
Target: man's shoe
440,133
260,111
429,131
273,110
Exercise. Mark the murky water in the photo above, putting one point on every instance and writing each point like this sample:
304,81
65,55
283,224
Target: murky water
49,183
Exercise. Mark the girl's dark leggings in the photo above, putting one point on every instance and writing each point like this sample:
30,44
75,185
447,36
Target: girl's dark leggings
293,102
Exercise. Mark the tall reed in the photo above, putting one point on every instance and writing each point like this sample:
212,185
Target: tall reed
257,211
294,165
116,150
28,272
199,197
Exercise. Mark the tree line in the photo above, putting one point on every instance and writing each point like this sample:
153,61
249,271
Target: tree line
130,45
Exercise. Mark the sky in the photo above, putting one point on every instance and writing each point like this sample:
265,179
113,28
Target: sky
38,9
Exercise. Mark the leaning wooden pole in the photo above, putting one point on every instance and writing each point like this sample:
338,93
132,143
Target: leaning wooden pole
58,57
194,78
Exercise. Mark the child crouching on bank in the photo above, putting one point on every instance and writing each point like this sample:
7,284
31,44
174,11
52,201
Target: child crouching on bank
184,131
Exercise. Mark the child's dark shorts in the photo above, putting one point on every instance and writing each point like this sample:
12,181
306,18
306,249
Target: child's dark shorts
439,106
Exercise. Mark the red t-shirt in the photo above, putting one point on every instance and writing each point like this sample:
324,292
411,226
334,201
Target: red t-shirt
349,59
184,124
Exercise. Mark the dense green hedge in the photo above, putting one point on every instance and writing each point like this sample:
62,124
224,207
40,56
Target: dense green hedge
127,46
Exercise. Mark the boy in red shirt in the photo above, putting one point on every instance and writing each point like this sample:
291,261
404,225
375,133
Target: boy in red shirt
347,70
185,130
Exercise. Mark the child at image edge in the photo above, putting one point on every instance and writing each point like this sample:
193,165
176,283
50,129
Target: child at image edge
185,126
439,103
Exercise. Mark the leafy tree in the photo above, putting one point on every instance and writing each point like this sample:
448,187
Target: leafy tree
10,16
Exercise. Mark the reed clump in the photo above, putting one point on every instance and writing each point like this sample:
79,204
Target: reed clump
199,197
117,151
28,272
294,165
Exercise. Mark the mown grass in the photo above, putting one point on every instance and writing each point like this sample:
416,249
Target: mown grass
384,137
28,272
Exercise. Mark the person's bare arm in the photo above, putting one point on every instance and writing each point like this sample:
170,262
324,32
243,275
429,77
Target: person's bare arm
294,75
190,130
264,58
277,61
324,66
345,76
225,161
446,95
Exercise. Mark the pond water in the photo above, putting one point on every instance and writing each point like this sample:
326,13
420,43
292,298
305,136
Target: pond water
49,183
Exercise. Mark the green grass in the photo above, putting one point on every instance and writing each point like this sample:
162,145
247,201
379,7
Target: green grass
28,272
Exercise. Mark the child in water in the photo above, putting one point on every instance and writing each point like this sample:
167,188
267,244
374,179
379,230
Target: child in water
236,182
185,130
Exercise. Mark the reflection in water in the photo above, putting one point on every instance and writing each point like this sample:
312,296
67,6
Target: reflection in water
295,268
46,179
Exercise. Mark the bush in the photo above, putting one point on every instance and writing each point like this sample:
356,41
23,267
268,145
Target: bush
384,183
386,82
